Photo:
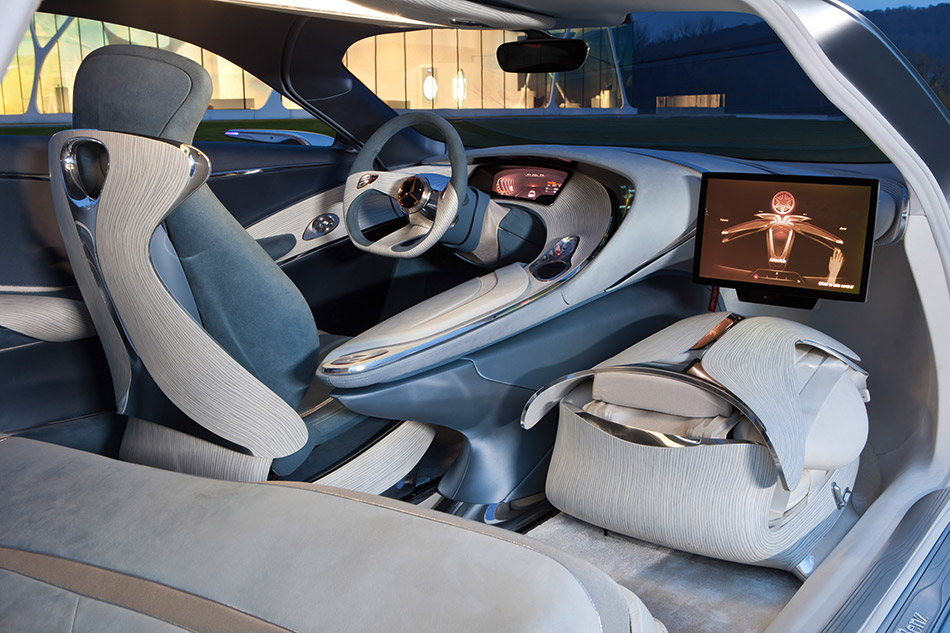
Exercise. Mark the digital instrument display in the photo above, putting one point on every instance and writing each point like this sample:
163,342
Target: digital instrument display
795,235
539,184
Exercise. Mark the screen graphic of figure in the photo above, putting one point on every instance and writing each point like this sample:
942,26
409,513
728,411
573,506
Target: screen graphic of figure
781,227
751,231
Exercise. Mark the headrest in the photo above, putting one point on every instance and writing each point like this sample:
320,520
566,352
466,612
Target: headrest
140,90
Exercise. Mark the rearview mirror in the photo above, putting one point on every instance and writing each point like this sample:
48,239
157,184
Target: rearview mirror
542,55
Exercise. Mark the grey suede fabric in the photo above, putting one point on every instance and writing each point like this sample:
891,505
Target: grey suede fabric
305,559
32,606
247,304
140,90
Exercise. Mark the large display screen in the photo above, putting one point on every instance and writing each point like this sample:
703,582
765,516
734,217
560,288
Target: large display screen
539,184
796,235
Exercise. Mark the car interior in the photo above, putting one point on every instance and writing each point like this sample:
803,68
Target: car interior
404,384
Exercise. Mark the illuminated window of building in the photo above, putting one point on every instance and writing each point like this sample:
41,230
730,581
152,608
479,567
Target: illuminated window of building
457,69
69,40
595,84
705,101
17,83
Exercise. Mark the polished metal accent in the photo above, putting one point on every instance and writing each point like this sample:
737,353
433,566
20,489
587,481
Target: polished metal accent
72,178
414,194
366,179
4,175
352,363
34,289
841,498
358,357
556,261
646,437
317,407
510,515
716,333
251,171
291,137
805,568
321,225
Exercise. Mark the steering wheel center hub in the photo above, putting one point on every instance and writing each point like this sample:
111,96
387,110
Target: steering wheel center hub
414,194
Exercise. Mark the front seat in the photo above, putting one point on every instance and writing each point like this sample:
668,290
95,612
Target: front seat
211,347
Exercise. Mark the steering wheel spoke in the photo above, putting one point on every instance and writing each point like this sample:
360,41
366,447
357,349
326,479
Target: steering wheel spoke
401,236
411,192
386,182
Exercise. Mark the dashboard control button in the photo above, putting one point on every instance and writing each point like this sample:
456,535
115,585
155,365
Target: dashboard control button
555,261
321,225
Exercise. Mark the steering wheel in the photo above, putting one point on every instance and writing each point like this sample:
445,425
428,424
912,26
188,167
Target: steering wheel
412,193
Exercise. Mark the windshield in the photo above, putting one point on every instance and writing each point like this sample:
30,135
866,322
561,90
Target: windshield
712,82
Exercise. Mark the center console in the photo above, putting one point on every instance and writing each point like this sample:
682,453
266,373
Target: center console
577,221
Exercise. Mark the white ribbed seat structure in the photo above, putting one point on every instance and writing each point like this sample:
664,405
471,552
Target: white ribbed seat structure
668,449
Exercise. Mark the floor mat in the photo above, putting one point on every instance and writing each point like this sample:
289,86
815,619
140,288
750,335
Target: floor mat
686,592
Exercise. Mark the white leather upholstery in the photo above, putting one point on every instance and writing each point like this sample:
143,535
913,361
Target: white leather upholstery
660,453
656,393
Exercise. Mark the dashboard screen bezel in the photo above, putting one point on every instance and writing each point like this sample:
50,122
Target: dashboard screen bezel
482,177
778,289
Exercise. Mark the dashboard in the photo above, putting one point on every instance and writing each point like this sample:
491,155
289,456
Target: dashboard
608,217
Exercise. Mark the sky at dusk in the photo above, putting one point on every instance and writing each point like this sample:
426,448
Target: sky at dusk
871,5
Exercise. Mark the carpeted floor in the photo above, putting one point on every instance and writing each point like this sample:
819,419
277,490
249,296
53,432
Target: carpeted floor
688,593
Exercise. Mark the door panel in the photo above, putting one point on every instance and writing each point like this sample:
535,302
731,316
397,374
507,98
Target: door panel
254,180
32,254
40,381
43,382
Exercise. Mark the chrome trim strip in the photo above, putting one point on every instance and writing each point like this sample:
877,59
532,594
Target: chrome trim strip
896,233
646,437
34,289
237,172
316,408
248,171
15,176
252,171
300,137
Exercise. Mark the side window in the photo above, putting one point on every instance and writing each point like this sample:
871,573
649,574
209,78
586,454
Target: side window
37,87
456,69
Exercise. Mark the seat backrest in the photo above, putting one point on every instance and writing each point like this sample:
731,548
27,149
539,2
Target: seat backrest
219,278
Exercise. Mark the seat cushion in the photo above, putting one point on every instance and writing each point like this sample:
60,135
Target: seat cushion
325,419
211,555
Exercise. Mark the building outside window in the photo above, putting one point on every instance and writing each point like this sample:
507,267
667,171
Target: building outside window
57,44
664,64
